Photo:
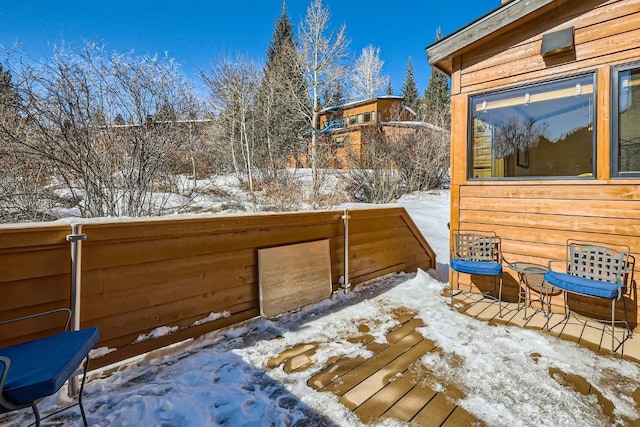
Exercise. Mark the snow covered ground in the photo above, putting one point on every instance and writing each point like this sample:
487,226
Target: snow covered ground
223,378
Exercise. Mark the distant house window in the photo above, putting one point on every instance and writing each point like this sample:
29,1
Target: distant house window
540,130
625,120
367,117
341,141
352,120
334,124
360,118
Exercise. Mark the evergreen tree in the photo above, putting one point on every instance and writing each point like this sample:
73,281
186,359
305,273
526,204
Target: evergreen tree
119,120
389,89
166,112
333,96
281,92
410,89
437,96
8,96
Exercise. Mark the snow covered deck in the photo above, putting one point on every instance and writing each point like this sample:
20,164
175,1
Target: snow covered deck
395,383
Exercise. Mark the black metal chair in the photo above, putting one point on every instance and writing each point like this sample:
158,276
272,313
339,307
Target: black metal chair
476,253
33,370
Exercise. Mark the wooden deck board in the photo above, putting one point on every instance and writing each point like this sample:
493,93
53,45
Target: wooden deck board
404,330
394,384
436,412
461,418
388,397
374,383
411,403
324,378
372,365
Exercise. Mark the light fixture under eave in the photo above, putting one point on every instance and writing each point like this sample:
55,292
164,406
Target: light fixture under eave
557,42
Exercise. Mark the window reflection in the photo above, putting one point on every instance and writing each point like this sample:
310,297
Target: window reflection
545,130
627,136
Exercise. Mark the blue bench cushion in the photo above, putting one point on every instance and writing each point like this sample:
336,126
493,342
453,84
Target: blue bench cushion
483,268
580,285
40,367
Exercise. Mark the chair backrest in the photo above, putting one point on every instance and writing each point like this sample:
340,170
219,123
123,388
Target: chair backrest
596,262
475,246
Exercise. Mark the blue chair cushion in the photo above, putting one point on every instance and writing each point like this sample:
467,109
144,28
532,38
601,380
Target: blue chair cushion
40,367
580,285
483,268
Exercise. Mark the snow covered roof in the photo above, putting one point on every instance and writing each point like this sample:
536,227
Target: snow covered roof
414,124
361,102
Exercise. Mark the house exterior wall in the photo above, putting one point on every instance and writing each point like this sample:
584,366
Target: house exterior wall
535,217
349,139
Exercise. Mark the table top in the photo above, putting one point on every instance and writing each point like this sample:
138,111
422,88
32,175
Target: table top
528,267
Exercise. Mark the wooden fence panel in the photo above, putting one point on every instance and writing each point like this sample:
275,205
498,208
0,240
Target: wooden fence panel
187,275
34,277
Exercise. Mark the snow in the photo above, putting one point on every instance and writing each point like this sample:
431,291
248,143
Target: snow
156,333
506,372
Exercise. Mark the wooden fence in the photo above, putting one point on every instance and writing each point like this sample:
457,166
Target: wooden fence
193,275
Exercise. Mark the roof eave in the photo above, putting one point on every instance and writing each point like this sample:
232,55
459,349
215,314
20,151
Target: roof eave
440,53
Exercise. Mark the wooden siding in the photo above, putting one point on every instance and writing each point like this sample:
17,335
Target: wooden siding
605,33
536,217
144,274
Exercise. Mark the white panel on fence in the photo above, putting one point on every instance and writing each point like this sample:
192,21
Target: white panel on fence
293,276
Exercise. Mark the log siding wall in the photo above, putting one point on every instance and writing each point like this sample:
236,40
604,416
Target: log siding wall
143,274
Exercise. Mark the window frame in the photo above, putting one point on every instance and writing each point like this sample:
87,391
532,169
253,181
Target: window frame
594,147
616,173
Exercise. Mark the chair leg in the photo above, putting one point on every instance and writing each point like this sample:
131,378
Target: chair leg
84,377
626,321
500,298
36,413
453,274
613,326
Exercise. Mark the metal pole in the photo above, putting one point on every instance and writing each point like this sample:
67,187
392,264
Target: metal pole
75,238
345,219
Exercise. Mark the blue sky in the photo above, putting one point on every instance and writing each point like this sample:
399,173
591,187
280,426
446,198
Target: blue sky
198,32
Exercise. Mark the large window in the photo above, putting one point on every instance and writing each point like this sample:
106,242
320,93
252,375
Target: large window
542,130
625,120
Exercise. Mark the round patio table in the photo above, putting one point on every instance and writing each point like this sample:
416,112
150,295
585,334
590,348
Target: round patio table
531,276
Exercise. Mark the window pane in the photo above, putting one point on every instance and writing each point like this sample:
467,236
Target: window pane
536,131
629,121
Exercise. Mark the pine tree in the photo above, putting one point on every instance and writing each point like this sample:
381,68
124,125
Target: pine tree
166,113
334,95
389,89
410,89
437,96
119,120
8,96
281,92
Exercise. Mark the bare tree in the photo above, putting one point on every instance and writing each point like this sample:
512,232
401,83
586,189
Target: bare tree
374,177
421,156
232,88
24,189
397,160
367,79
68,105
321,64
